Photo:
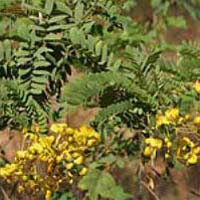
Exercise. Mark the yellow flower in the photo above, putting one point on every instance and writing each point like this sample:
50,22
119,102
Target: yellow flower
89,132
30,157
25,178
187,151
48,195
20,155
70,131
70,138
83,171
64,150
36,148
31,136
46,142
20,189
192,156
79,160
183,119
172,114
24,131
43,158
148,151
196,86
85,130
153,144
59,159
19,173
196,121
59,128
9,169
91,142
196,150
69,166
161,120
167,156
187,117
168,142
76,155
71,181
188,142
62,146
67,155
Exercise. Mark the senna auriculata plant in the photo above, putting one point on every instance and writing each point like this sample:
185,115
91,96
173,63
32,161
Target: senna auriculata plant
51,163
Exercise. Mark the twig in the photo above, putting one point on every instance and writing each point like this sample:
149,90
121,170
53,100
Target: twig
13,189
156,172
150,190
4,193
195,193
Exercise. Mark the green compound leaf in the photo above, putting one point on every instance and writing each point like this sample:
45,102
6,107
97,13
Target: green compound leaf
177,22
101,183
79,11
63,8
49,6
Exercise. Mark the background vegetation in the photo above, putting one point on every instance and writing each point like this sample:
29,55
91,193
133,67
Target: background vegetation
144,85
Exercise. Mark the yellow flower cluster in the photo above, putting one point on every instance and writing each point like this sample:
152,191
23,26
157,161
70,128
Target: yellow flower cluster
183,128
51,161
196,121
188,151
155,144
168,145
171,116
152,145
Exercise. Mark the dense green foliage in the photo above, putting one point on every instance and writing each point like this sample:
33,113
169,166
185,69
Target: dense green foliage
127,73
47,38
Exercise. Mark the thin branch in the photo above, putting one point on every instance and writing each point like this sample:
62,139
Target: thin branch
195,193
150,190
6,197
